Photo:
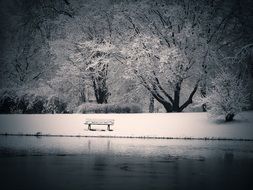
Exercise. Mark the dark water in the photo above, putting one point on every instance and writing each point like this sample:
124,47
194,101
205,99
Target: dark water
100,163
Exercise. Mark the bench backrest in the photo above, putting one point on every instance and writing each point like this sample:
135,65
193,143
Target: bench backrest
99,121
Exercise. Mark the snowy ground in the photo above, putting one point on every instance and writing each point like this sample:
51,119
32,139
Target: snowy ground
172,125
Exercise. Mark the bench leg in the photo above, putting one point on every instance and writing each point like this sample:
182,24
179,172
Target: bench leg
108,127
89,127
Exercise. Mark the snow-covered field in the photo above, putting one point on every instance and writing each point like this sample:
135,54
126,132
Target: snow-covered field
172,125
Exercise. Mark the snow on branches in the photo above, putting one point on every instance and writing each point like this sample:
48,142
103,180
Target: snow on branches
95,56
228,95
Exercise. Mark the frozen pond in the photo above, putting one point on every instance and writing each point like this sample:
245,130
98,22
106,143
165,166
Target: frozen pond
114,163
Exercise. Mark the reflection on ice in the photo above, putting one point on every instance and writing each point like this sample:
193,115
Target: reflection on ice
102,163
168,149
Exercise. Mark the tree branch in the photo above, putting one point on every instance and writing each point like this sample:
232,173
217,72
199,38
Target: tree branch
66,2
162,89
153,91
219,26
60,11
189,101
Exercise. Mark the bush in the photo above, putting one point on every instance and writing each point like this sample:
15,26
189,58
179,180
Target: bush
23,103
227,97
7,104
55,105
36,105
108,108
30,104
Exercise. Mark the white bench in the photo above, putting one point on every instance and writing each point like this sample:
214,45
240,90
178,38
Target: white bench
107,122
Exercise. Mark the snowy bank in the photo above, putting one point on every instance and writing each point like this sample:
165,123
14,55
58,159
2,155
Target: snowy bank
162,125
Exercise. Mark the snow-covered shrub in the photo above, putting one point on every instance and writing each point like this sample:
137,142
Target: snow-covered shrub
116,108
8,101
55,105
7,104
86,108
43,104
108,108
36,104
14,101
228,95
23,103
135,108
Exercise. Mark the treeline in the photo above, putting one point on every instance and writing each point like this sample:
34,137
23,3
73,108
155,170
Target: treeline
12,103
126,56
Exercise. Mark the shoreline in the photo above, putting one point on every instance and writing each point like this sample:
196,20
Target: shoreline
129,137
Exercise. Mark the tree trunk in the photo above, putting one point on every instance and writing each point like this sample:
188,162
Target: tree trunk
102,96
170,104
168,107
83,97
151,104
229,117
100,90
203,91
177,98
203,94
204,81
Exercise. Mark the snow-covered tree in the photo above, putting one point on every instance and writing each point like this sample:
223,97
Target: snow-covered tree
228,95
27,56
164,48
84,57
95,56
160,70
70,83
79,49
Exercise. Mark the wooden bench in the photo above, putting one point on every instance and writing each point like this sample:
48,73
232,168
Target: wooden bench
107,122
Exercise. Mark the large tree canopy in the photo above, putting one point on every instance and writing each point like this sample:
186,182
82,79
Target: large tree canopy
90,50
